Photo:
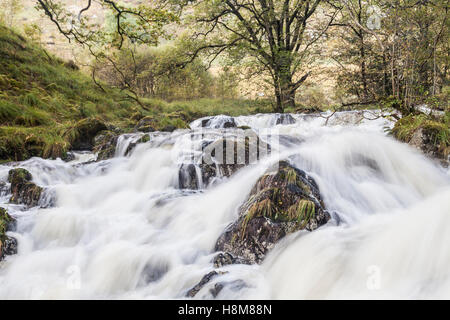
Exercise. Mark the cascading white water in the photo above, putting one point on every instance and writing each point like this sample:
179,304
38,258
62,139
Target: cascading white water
122,228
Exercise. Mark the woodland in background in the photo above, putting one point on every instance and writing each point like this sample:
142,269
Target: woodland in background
172,61
374,53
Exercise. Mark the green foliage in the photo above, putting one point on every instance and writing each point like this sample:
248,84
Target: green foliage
436,128
290,176
8,111
210,107
5,220
405,57
302,212
42,99
162,73
19,175
313,96
271,38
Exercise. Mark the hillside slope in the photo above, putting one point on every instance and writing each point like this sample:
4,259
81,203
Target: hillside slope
42,97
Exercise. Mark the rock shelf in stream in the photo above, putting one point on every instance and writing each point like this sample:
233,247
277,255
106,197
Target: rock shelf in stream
23,191
109,144
223,158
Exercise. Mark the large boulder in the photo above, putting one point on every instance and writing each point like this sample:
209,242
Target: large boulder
283,201
82,135
222,158
23,191
8,245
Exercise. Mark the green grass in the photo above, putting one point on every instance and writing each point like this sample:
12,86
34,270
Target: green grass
437,128
209,107
42,98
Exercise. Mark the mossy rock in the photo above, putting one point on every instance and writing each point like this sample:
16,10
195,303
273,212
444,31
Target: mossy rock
22,189
170,124
246,149
6,223
17,144
144,139
427,133
146,124
19,175
283,201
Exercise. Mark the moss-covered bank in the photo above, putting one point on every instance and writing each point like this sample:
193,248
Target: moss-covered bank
430,134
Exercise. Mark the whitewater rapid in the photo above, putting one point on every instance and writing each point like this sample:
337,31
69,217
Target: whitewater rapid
123,229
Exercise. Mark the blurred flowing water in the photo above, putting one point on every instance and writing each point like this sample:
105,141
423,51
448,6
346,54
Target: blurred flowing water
123,229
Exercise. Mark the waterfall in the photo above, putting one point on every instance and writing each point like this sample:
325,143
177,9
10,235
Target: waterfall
123,228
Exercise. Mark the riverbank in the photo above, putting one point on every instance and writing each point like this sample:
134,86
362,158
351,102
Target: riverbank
43,100
151,224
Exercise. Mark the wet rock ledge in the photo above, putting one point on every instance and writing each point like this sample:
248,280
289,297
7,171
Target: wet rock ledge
22,189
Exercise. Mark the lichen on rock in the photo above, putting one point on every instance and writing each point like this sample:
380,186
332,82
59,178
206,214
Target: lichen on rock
283,201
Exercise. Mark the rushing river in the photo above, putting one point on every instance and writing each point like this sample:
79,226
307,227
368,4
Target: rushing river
123,229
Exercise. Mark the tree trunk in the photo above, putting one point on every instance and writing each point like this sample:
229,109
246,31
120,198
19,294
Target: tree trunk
284,88
285,98
363,67
387,87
